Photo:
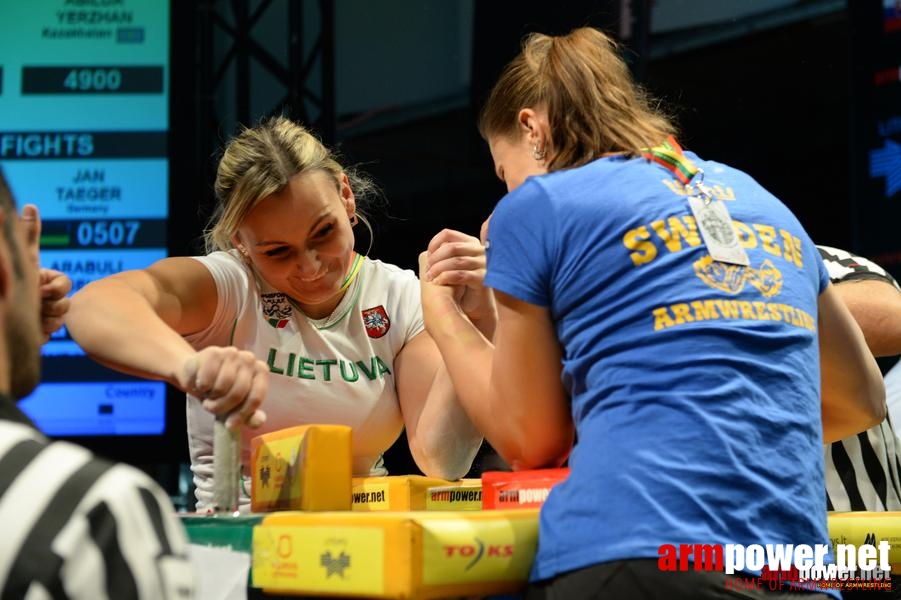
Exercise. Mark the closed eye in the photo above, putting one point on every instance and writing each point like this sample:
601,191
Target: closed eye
279,251
324,231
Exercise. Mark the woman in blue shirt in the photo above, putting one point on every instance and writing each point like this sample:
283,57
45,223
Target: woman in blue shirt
665,311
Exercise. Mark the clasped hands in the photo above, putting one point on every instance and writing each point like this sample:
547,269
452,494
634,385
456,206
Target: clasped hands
453,270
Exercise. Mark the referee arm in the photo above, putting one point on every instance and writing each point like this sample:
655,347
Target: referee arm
876,306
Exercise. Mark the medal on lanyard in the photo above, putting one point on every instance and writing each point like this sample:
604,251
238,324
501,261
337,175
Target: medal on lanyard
711,215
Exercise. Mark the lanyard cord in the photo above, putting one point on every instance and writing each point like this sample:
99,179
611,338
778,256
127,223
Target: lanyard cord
670,156
353,272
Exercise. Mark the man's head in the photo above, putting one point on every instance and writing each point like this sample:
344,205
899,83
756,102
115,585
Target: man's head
20,307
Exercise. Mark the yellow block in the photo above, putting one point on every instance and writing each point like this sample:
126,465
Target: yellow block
307,467
862,527
395,554
415,492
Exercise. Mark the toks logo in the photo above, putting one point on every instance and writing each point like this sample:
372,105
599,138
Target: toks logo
475,552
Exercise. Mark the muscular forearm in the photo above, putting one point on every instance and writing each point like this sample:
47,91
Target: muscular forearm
876,306
486,325
134,322
118,327
466,352
468,359
853,393
446,441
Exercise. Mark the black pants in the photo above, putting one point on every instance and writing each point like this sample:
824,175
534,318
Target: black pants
643,580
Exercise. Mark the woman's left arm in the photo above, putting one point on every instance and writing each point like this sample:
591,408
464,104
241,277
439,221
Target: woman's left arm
442,439
511,388
506,370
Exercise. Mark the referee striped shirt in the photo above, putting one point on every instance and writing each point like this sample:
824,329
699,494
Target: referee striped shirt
75,526
862,471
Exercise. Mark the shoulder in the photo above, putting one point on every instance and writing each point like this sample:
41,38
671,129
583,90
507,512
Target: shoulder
221,260
846,266
58,500
13,431
540,194
393,293
66,472
721,174
388,273
530,199
226,268
26,443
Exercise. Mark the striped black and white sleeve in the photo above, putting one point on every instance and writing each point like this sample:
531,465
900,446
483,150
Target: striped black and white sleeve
844,266
863,472
75,526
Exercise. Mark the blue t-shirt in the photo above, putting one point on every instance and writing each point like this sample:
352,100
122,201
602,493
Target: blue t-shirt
694,384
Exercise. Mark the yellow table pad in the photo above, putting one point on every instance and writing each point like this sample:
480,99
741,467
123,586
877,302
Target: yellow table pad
413,554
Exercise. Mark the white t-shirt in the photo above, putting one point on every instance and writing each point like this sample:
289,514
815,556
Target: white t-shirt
337,370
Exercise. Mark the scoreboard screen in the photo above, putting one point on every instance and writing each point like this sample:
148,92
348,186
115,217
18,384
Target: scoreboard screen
84,123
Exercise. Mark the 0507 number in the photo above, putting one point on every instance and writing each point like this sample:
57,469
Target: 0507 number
107,233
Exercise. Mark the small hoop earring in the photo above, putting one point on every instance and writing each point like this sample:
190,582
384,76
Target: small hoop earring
354,219
538,154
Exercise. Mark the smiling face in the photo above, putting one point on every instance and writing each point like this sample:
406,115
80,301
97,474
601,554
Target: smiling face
301,242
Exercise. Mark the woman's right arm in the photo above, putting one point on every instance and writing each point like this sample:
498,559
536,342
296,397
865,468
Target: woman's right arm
134,322
853,392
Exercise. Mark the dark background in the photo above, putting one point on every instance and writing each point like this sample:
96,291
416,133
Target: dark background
776,102
786,95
